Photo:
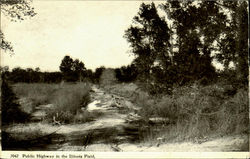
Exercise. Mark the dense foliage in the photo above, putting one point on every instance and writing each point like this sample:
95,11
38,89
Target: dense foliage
30,75
11,111
182,47
126,73
178,49
71,71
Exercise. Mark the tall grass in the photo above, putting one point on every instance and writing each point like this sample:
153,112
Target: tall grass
199,112
38,93
68,102
194,111
67,99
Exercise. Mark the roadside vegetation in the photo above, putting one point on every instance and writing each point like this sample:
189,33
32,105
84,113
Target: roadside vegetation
68,102
66,99
176,74
194,112
10,108
36,93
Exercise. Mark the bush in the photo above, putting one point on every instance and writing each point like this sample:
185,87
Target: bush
126,73
10,108
68,101
236,113
60,116
198,111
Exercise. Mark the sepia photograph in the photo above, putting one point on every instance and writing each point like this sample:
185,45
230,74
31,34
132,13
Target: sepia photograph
124,76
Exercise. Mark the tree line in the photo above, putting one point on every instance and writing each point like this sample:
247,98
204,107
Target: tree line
181,47
177,47
75,70
70,71
30,75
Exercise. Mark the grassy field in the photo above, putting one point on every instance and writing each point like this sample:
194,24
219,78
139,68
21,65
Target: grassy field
35,94
194,112
67,100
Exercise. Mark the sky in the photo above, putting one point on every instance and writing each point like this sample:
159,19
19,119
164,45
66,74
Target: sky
91,31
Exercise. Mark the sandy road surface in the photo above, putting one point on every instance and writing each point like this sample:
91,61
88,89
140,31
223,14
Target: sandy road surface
111,131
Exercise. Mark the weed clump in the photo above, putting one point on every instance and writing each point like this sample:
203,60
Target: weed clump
200,111
37,93
193,111
68,102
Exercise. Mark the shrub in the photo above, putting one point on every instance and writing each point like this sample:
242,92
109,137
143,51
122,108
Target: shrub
236,113
59,115
10,108
68,101
198,111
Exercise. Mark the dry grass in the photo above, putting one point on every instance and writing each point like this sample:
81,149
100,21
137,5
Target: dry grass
67,99
125,90
25,131
71,97
68,102
204,111
37,93
194,111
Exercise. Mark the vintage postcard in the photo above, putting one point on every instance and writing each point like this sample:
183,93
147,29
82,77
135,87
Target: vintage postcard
124,79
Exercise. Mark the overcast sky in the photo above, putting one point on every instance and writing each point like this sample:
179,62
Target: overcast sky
91,31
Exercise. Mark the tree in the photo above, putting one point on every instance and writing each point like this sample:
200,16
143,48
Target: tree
79,69
72,70
126,73
37,69
66,68
15,10
233,45
4,69
5,45
89,74
98,73
197,27
149,39
10,108
18,75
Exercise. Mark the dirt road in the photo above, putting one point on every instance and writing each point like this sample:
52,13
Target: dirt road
116,129
106,132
